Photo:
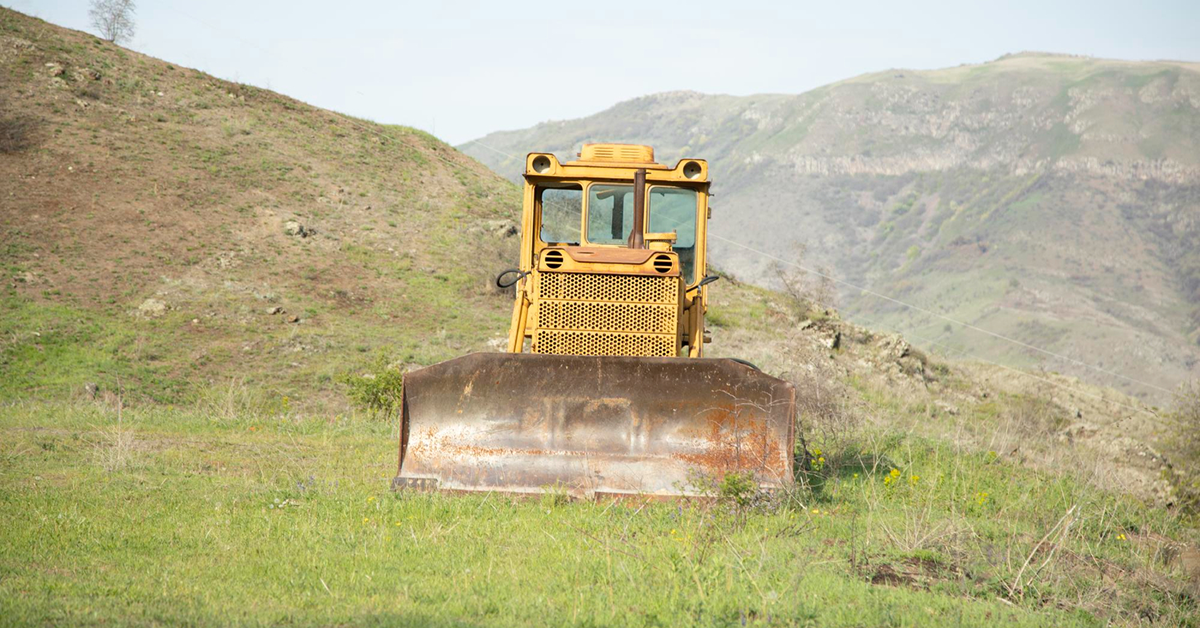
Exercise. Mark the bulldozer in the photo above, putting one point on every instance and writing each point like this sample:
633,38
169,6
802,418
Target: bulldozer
603,390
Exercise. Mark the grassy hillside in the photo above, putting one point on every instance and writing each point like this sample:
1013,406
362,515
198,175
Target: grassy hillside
1045,197
192,267
146,237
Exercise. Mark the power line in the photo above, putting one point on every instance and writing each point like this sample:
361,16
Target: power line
922,310
963,352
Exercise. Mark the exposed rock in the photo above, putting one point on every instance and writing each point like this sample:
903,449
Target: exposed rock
503,228
832,339
294,228
946,407
893,347
294,319
275,310
84,74
55,69
152,308
1077,431
91,389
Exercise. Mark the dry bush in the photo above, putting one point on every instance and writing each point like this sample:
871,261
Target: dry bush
808,294
116,450
1183,446
826,414
16,134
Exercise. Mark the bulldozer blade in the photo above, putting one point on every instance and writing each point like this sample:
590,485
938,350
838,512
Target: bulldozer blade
592,426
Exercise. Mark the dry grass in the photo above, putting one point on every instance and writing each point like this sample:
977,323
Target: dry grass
1183,444
16,134
115,450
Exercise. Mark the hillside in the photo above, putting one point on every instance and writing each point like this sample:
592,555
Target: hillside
174,230
1048,198
193,269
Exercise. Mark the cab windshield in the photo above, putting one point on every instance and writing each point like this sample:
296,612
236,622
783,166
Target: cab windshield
610,217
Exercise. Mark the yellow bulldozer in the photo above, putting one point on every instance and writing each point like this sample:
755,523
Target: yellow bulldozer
603,390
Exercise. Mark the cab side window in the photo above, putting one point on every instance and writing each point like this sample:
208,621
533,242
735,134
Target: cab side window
673,210
562,213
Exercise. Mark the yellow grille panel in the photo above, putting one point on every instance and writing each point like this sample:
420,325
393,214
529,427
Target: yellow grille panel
597,314
560,342
600,316
628,288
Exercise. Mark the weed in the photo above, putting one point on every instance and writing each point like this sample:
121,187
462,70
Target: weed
16,134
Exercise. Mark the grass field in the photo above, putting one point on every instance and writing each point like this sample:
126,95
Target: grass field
177,445
164,515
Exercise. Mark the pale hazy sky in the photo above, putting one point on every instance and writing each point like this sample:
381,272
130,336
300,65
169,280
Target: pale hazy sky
464,69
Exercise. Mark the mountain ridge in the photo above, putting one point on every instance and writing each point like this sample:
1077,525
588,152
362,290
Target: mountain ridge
960,190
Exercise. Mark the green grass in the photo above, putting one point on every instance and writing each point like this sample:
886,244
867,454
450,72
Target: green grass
279,519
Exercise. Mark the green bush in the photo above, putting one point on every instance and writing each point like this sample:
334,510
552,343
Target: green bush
739,488
379,390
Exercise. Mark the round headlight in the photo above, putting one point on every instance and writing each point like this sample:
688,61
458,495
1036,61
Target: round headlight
692,170
541,164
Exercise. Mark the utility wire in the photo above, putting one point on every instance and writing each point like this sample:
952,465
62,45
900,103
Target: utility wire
922,310
494,150
1060,385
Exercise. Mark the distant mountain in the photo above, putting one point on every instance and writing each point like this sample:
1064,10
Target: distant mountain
1049,198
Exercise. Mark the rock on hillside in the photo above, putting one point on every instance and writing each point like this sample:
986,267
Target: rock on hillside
1046,197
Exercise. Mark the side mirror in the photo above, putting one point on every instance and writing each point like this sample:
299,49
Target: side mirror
707,280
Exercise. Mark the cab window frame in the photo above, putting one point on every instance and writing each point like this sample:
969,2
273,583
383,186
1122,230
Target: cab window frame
540,189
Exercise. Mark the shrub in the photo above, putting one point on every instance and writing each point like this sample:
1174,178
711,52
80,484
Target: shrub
379,390
16,134
739,488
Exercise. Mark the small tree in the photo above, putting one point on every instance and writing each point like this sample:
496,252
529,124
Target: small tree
113,18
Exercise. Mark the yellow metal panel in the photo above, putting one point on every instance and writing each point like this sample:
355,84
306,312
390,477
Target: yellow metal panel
605,314
560,342
618,288
619,153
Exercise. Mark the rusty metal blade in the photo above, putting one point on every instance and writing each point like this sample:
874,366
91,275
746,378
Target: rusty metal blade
592,425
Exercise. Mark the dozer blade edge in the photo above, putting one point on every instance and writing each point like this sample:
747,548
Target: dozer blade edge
592,426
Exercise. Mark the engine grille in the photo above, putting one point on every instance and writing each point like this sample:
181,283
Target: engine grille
627,288
602,316
559,342
592,314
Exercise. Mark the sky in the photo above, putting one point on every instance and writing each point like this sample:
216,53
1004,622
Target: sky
461,70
